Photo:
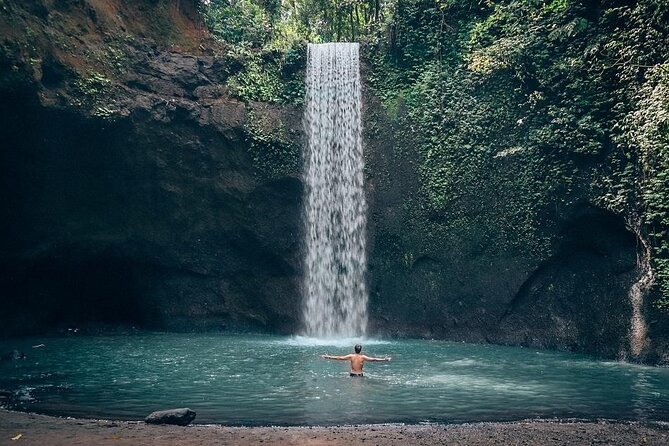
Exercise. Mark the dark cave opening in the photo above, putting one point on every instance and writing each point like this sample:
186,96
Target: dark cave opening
62,291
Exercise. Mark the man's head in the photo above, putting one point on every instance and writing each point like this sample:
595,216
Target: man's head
357,348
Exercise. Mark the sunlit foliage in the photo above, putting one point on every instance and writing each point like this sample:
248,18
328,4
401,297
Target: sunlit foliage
534,105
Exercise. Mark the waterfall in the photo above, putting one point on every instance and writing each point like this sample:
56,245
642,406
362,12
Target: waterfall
638,331
335,295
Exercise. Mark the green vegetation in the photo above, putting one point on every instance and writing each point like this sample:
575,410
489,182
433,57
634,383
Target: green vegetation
91,87
267,75
92,91
265,55
644,137
274,152
515,111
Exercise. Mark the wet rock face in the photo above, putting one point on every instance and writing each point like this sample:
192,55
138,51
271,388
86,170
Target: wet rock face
461,285
143,224
578,299
146,208
135,197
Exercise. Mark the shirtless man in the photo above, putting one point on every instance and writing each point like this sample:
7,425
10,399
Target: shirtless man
357,360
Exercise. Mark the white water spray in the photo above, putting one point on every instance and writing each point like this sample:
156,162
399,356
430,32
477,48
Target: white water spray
638,332
335,208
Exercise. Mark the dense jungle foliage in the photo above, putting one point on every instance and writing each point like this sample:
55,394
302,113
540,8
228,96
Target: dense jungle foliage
518,108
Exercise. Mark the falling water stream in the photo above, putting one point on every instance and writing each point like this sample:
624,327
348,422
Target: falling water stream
335,296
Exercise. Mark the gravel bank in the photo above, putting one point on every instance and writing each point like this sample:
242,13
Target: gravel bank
45,430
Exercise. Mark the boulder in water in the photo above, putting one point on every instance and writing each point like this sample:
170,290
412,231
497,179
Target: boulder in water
180,417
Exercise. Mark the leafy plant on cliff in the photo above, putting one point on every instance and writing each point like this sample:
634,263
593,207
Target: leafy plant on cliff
516,111
645,134
274,151
560,101
635,55
496,156
92,91
240,22
267,75
267,52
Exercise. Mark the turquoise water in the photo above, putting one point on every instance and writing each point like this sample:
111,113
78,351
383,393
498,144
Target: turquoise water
263,380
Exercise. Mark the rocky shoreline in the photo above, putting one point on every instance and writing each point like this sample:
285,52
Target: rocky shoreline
34,429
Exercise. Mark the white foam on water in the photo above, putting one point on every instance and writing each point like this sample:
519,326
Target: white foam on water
335,294
623,365
306,341
484,384
467,362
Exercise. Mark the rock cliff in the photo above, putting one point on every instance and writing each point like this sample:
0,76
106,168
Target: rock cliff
138,191
131,190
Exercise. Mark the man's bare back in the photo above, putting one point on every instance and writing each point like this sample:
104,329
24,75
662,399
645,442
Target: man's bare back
357,360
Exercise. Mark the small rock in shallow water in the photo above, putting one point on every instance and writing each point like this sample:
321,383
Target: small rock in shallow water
180,417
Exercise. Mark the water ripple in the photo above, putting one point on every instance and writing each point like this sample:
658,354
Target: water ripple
256,379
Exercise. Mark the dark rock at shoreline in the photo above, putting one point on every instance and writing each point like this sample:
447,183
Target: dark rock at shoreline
180,417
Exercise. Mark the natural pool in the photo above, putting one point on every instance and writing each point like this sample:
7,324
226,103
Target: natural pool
263,380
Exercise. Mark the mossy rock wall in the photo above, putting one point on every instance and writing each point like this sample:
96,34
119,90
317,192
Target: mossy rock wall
516,172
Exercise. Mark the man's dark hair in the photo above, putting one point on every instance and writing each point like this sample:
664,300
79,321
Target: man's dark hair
357,348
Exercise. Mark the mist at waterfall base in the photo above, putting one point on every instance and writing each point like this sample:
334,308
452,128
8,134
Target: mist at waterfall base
267,380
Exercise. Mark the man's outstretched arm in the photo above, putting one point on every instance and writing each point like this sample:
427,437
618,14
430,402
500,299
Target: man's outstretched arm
338,358
371,359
